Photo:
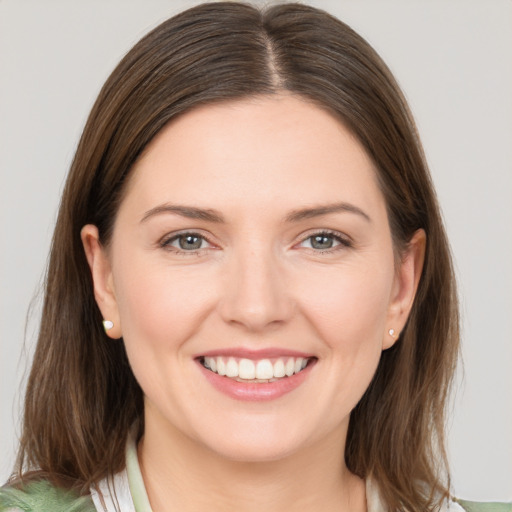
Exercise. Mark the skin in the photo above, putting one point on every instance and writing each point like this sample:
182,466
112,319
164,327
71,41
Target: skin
255,282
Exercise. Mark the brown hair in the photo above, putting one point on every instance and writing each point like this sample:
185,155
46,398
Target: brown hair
82,397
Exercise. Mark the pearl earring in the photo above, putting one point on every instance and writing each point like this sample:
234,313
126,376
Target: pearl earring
392,332
107,325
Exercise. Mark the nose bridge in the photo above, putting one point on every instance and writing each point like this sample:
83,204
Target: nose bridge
255,293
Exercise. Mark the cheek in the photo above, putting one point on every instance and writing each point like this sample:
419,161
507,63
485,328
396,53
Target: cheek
160,306
351,317
350,305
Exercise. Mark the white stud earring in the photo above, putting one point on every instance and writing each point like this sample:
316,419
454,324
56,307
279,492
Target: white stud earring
107,325
392,332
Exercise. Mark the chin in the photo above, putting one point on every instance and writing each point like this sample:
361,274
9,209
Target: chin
259,441
259,451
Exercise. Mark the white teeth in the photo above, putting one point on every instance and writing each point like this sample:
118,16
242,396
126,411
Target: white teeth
279,368
211,363
231,368
289,369
221,366
262,370
247,369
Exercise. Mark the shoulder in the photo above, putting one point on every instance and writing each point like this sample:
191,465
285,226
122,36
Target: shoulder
476,506
41,496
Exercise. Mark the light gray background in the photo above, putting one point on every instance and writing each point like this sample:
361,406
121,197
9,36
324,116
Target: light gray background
454,61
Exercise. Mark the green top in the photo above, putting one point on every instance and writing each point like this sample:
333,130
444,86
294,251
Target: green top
43,497
130,494
475,506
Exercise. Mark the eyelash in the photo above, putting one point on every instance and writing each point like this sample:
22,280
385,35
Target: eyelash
343,242
165,243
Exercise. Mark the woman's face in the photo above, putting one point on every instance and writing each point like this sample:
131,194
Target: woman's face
253,240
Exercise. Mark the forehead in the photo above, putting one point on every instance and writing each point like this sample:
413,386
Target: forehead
263,151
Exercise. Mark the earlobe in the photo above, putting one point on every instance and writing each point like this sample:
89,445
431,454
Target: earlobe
101,272
406,283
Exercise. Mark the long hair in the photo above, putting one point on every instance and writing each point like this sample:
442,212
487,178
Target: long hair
82,398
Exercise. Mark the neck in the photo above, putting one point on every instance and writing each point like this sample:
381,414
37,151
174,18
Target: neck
179,471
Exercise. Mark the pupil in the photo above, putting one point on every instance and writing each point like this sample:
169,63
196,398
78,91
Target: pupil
190,242
321,242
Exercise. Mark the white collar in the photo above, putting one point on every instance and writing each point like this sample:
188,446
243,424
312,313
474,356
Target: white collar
125,492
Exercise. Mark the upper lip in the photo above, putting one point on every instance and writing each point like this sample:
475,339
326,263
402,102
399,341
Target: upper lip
246,353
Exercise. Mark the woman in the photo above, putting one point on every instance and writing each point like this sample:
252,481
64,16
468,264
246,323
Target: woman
249,218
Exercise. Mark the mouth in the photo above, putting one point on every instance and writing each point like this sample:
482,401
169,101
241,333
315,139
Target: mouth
259,371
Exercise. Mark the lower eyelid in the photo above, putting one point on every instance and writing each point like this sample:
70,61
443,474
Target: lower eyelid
166,242
341,241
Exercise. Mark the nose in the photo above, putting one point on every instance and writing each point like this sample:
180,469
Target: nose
255,294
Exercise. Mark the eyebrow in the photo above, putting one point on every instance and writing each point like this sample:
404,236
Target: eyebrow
318,211
190,212
210,215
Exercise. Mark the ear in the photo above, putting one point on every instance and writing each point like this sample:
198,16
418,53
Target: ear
407,278
101,271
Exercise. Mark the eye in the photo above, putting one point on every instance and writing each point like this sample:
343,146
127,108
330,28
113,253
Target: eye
324,241
186,242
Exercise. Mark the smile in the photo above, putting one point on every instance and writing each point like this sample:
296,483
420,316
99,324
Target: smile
262,370
256,375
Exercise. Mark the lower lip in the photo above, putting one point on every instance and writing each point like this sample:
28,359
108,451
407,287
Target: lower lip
256,392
